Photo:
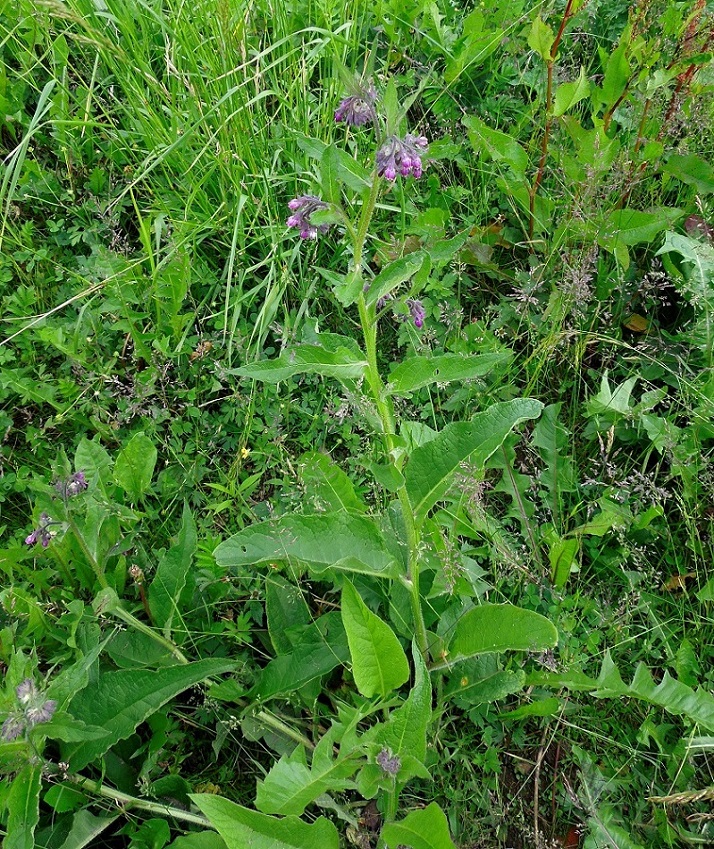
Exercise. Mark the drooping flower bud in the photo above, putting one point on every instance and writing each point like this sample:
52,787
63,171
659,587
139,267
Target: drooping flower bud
403,156
358,108
302,208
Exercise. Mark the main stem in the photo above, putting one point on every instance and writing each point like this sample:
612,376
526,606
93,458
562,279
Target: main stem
368,320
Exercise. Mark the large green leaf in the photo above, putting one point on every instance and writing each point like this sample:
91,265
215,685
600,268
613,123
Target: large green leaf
633,227
85,829
327,485
324,541
306,359
322,647
501,627
427,828
291,785
134,466
23,807
394,275
416,372
379,664
242,828
568,94
285,608
170,578
405,731
496,145
693,170
428,473
120,701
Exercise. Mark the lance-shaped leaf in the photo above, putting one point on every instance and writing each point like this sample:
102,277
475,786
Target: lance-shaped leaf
424,829
320,649
291,785
23,807
394,275
327,485
501,627
120,701
134,466
428,473
379,664
342,541
342,363
416,372
170,579
405,731
242,828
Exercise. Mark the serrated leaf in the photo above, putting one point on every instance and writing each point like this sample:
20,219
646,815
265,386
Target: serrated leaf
323,541
553,442
568,94
291,785
499,628
405,731
394,275
327,485
306,359
379,664
23,808
170,578
431,466
541,39
415,372
242,828
427,828
120,701
134,466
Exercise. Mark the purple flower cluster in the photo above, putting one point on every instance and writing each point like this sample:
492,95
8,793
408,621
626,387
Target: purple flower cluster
302,208
41,533
417,312
390,763
401,156
34,709
74,484
358,109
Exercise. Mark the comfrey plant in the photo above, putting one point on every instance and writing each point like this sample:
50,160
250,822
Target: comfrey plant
402,583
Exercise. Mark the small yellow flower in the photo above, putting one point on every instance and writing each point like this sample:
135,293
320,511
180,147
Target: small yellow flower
244,452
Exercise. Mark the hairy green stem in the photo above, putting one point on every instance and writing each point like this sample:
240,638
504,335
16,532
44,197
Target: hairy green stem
368,320
125,801
79,536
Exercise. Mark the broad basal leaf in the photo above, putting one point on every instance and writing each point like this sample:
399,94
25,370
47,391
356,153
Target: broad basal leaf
321,648
501,627
324,541
23,808
428,473
170,578
416,372
305,359
285,608
291,785
327,486
134,466
120,701
379,664
427,828
242,828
